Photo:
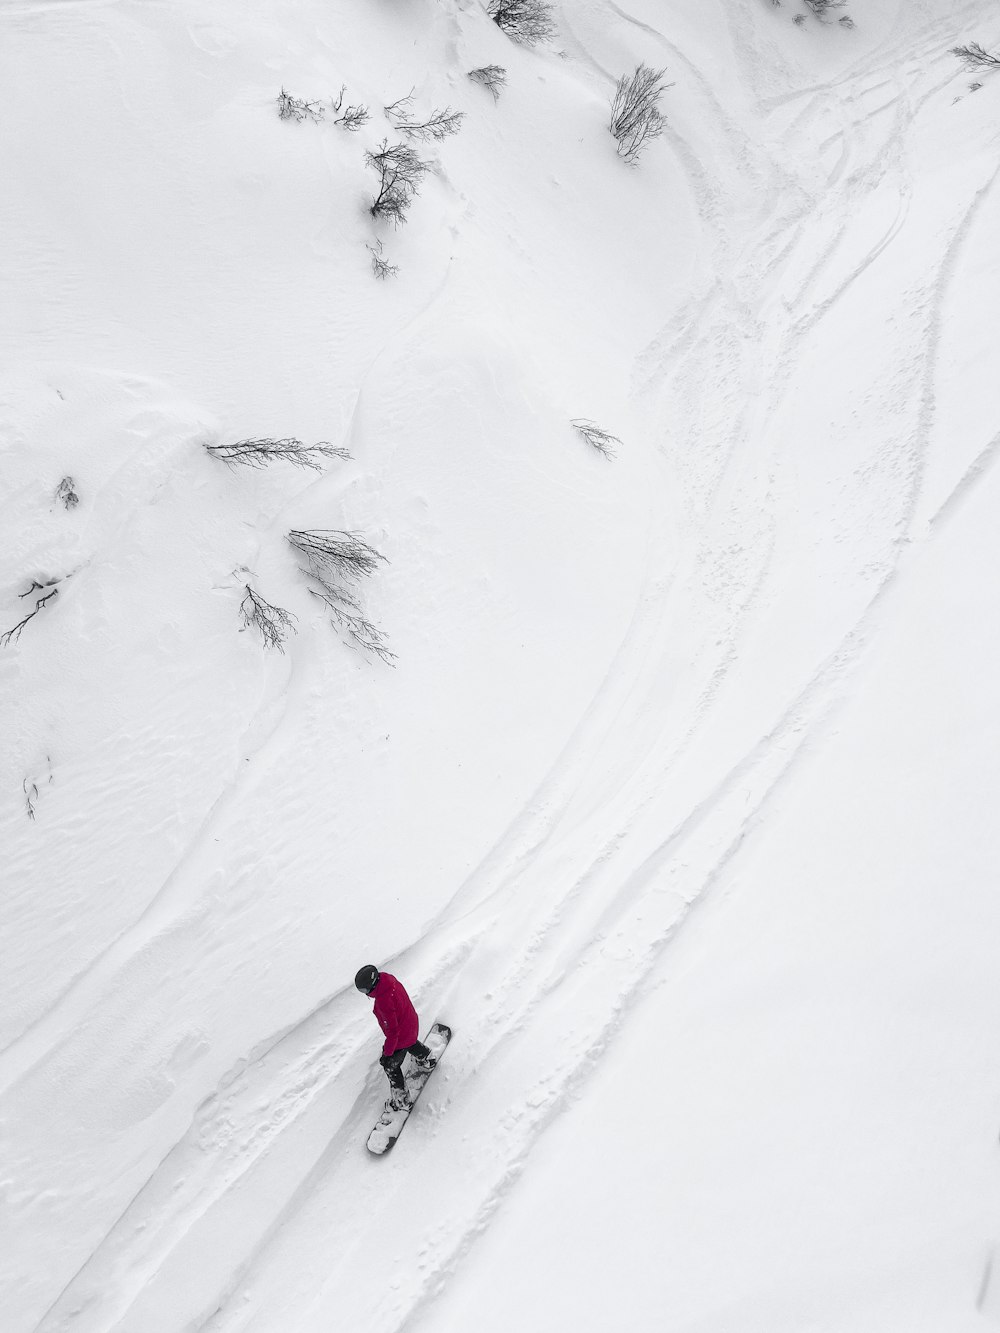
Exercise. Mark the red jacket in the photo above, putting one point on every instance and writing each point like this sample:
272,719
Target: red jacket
396,1015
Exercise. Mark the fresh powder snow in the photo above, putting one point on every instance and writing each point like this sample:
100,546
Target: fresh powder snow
662,765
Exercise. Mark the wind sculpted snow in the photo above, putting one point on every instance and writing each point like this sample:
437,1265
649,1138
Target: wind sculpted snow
675,802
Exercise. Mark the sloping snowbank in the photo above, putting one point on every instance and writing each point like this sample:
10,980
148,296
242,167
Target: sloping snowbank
618,684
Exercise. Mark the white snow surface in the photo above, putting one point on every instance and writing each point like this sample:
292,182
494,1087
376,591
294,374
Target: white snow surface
679,801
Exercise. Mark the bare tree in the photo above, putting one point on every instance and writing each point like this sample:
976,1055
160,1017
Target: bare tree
336,561
14,633
438,125
602,440
381,267
974,57
66,493
32,792
401,106
493,77
295,108
335,554
526,22
635,116
259,452
273,623
821,8
400,172
351,118
347,616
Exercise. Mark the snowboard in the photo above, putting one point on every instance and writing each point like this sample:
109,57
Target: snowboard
390,1122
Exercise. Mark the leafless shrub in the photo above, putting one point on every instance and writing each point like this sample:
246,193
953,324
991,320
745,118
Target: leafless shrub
381,267
260,452
401,106
438,125
347,616
14,633
975,57
602,440
273,623
493,77
32,792
333,554
351,118
66,493
821,8
336,562
400,172
635,117
296,108
526,22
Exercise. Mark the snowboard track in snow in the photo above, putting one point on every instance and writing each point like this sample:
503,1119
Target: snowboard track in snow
568,920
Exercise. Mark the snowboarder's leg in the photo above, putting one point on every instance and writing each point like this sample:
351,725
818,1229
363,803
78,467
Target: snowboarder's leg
393,1066
399,1098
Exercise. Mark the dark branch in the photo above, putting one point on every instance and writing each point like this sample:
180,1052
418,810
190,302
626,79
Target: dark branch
260,452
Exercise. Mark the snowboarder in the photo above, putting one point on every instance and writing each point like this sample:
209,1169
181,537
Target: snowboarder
398,1020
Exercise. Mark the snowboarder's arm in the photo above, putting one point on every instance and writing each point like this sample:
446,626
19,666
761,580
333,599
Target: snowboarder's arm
389,1023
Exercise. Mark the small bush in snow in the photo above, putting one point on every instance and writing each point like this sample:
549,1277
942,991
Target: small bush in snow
635,116
381,267
260,452
351,118
438,125
273,623
602,440
822,8
333,554
336,562
400,172
14,633
66,493
32,792
526,22
493,77
295,108
974,57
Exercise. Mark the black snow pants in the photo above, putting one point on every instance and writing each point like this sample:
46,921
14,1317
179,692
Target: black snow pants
393,1064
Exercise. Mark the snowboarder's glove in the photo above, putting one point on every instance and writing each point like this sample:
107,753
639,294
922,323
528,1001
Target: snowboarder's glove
385,1061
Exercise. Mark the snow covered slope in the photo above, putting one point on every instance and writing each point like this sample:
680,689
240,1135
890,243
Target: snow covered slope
676,802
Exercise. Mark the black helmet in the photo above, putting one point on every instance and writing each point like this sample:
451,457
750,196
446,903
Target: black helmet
366,978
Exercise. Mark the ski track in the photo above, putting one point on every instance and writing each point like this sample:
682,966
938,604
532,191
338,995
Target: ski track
53,1026
597,902
605,974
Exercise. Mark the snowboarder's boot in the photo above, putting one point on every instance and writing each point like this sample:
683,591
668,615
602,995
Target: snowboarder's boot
423,1061
399,1099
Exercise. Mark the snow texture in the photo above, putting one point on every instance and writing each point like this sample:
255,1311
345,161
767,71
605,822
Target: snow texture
677,800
